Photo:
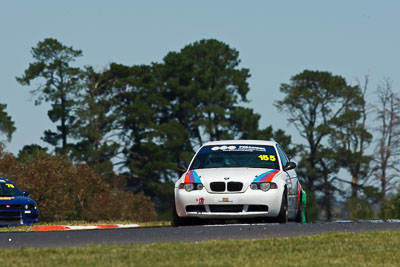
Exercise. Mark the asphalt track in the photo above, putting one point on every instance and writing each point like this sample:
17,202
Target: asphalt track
188,233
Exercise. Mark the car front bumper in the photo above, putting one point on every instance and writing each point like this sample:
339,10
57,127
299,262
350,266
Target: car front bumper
15,217
249,204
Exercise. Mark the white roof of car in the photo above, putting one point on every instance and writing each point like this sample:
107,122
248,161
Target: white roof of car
240,142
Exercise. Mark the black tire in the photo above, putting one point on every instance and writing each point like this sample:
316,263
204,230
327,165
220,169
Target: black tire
299,215
283,213
179,221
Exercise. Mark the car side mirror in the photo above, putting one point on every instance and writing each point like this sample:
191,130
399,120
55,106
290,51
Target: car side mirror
25,193
289,166
181,166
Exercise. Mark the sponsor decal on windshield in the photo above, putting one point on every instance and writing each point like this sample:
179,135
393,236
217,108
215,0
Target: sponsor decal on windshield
239,148
215,148
6,198
192,177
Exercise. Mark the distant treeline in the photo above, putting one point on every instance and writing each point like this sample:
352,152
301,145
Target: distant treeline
131,124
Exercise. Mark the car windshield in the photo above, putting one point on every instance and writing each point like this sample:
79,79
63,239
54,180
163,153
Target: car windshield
251,156
8,189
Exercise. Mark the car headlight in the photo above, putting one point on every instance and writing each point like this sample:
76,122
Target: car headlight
265,186
190,186
254,186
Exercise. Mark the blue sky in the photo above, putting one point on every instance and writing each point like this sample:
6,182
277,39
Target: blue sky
276,40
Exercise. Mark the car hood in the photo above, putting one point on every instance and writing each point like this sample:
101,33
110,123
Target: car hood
21,200
243,175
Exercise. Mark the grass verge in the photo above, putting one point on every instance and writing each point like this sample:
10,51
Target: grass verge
332,249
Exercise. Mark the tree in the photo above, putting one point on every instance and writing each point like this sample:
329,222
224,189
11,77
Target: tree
162,112
205,85
246,126
7,125
351,139
60,86
387,151
94,126
135,109
30,153
317,102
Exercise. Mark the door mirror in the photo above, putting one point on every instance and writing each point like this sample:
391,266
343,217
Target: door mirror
289,166
25,193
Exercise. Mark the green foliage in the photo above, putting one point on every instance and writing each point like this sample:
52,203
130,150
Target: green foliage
390,207
60,86
319,104
65,191
350,139
30,153
313,207
94,124
205,84
138,121
7,125
359,208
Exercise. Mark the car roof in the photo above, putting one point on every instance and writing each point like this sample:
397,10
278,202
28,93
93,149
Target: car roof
240,142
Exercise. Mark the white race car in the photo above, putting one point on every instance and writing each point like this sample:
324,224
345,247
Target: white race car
238,179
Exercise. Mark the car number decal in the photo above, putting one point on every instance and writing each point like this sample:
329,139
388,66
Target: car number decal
267,157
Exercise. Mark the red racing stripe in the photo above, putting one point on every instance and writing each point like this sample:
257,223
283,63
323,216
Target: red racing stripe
298,195
187,177
271,176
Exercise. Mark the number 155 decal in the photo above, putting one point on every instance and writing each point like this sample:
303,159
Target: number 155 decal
267,157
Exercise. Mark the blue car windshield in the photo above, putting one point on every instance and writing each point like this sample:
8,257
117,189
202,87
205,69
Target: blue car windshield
226,156
8,189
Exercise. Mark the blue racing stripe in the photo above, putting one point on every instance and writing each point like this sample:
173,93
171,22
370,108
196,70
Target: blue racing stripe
196,177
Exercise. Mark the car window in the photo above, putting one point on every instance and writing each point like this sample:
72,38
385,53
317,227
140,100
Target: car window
8,189
251,156
282,155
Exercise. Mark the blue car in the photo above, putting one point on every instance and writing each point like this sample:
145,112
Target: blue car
16,208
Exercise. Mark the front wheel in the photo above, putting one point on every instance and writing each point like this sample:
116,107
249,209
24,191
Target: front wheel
283,213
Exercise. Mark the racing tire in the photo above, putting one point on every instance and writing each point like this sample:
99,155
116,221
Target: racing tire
179,221
299,215
283,213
